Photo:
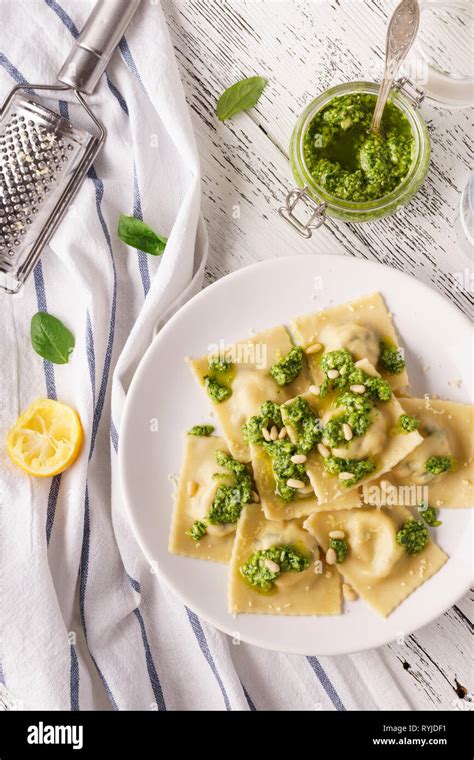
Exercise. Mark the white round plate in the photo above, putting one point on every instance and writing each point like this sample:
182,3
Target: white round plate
434,334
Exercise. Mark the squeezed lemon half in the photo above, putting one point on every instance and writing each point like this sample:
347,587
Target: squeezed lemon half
46,439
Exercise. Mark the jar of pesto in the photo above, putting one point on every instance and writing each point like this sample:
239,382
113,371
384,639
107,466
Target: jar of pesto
342,170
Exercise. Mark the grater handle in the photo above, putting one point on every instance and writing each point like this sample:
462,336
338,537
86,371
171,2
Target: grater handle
95,45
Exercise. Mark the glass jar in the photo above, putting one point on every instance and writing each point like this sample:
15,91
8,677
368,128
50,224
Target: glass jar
318,202
441,59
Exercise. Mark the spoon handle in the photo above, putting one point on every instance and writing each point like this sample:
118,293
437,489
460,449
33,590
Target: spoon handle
401,33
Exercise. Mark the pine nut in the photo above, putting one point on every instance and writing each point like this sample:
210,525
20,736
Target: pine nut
192,488
306,489
345,475
283,433
272,566
337,534
315,348
348,593
315,390
298,459
323,450
332,374
255,497
347,431
331,556
266,434
293,483
357,388
274,433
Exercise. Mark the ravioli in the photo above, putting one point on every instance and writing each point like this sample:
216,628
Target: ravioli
381,571
274,507
379,442
314,591
341,498
447,428
359,326
199,467
252,383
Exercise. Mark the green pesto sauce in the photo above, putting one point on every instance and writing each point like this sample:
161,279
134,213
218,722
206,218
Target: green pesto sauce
286,558
347,160
391,359
438,465
218,381
429,515
357,414
341,548
308,428
202,430
376,388
305,422
197,530
413,536
270,415
358,467
280,453
230,497
408,424
288,368
357,410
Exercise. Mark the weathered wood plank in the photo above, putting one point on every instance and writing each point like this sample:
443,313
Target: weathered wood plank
434,665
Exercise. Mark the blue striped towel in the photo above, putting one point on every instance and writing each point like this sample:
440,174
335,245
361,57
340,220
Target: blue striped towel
86,625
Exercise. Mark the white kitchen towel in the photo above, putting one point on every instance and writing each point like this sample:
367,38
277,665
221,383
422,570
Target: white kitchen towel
85,623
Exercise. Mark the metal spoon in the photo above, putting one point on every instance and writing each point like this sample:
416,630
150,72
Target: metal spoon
401,33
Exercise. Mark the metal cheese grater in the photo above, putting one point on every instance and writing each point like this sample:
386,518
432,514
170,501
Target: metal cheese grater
43,156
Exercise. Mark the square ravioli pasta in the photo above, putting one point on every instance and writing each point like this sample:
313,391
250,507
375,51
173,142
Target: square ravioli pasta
364,327
247,379
304,501
199,481
440,471
340,497
281,466
274,507
310,588
375,448
382,571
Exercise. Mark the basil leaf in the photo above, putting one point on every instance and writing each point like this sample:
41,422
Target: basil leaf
239,97
50,338
136,233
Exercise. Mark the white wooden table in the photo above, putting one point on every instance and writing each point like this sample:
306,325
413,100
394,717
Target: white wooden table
302,47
